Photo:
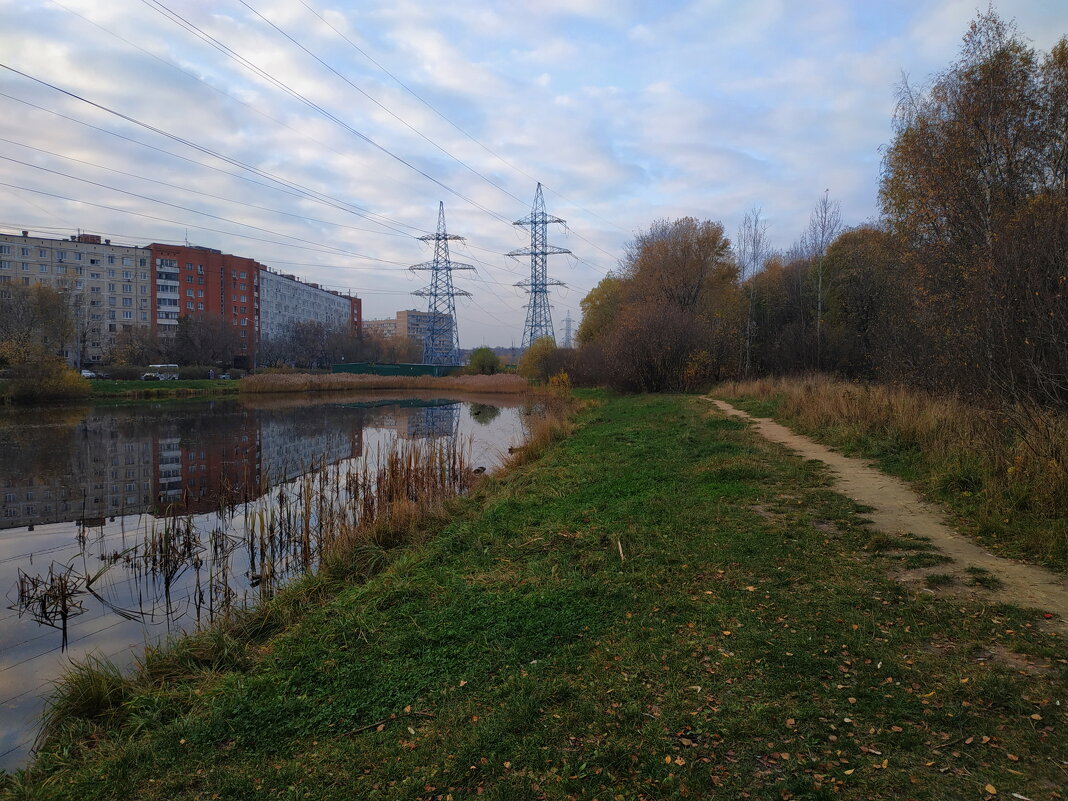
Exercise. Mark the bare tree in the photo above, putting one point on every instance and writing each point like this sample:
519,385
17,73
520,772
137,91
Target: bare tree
823,227
751,248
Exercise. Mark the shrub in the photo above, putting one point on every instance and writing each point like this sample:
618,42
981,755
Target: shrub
47,379
483,361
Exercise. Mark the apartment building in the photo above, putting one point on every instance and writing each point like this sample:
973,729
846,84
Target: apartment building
193,281
285,300
109,287
114,288
410,323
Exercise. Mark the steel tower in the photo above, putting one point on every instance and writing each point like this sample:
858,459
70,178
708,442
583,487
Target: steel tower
567,330
441,342
539,313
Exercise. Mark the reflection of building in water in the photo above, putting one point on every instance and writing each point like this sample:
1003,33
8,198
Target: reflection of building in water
286,454
419,422
81,473
130,461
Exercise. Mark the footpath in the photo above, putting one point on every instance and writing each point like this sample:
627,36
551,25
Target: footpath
664,605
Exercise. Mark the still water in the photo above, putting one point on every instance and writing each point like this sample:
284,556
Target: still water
123,525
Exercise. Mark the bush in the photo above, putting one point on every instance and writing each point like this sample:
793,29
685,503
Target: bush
537,361
48,379
483,361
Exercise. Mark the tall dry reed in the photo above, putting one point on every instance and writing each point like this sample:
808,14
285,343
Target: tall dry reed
306,382
1003,463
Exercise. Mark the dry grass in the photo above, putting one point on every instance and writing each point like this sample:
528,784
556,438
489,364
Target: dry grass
1008,467
307,382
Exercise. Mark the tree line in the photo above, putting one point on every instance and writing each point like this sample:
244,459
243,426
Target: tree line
959,286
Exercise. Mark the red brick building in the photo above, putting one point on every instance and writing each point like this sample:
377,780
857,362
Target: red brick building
194,281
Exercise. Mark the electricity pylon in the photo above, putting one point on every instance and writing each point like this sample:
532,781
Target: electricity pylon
567,330
539,313
441,342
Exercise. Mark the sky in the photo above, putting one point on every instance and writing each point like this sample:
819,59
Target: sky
319,137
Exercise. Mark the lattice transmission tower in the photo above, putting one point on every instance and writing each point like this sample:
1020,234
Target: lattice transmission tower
441,342
539,313
567,330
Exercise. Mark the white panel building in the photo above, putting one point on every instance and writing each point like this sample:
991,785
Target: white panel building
285,300
108,287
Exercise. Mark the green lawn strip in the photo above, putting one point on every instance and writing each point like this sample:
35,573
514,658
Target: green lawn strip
104,388
745,644
957,485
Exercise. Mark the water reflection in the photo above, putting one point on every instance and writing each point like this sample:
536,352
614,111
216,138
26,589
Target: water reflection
121,525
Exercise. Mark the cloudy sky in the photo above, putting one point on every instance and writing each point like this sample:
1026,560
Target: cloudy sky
319,136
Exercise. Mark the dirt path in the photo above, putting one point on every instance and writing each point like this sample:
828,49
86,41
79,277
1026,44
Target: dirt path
898,509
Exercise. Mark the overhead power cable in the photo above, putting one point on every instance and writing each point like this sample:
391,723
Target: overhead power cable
430,106
198,192
290,185
318,245
249,65
386,109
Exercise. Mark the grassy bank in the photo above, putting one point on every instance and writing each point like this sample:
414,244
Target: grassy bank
106,388
306,382
660,606
1004,473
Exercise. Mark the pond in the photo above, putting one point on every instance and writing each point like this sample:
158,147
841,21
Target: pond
123,525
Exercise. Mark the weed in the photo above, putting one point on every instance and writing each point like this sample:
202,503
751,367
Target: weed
935,580
981,577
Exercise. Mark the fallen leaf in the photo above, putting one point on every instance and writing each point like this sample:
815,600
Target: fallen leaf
991,789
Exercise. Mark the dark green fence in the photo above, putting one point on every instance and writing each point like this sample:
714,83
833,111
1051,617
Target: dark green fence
369,368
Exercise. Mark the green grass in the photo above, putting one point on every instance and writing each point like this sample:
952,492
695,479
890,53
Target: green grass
107,388
648,611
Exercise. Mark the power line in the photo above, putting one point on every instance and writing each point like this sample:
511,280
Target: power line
249,65
289,185
389,111
321,249
198,192
430,106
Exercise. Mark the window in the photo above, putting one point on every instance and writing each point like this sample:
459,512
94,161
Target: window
189,293
41,268
111,287
61,254
244,309
189,305
111,271
79,270
127,301
94,276
242,275
111,259
144,317
111,314
127,275
200,293
24,252
42,253
78,255
5,250
128,288
189,279
127,315
144,275
200,282
142,262
94,261
200,307
111,300
127,261
243,287
200,269
244,321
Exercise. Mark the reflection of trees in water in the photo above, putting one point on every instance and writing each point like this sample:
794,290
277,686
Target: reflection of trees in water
483,413
41,442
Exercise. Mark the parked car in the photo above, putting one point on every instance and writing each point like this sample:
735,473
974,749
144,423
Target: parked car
88,374
150,377
225,377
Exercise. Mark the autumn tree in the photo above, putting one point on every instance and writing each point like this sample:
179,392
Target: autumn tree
483,361
975,187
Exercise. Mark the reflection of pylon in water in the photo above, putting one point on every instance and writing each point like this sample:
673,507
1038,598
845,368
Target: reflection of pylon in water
441,341
436,421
